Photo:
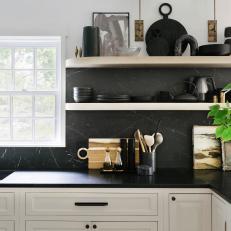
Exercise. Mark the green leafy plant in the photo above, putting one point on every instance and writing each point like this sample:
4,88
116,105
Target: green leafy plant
222,118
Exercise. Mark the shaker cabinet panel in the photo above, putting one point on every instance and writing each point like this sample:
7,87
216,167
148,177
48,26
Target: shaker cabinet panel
191,212
219,217
85,204
56,225
7,226
7,201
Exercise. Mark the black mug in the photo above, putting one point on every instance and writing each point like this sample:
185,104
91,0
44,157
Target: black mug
91,41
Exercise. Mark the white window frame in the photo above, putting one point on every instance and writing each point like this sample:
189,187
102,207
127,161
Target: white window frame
60,122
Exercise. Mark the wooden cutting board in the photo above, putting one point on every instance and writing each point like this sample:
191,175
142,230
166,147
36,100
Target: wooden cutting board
96,157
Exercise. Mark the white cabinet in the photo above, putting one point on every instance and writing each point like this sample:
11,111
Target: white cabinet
7,226
107,209
220,215
97,226
191,212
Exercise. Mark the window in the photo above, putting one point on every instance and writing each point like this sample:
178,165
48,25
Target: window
31,92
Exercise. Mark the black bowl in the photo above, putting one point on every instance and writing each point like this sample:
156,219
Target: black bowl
215,50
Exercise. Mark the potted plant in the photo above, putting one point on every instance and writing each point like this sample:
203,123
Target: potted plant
221,116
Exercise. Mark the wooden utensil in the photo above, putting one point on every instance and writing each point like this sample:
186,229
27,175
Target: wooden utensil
143,141
137,136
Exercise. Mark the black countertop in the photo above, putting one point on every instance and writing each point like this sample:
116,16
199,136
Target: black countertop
218,181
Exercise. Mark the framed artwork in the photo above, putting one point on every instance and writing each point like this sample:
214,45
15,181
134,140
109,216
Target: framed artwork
226,156
114,31
206,148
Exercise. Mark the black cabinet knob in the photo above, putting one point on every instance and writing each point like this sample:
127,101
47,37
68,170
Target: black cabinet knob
94,226
173,198
87,226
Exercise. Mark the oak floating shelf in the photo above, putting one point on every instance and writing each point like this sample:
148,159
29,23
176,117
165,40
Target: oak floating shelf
154,61
138,106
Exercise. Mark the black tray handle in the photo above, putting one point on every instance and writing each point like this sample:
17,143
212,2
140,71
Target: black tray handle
165,15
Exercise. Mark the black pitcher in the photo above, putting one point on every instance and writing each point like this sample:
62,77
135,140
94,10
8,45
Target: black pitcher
91,41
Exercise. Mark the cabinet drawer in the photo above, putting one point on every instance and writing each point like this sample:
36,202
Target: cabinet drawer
91,204
100,226
7,204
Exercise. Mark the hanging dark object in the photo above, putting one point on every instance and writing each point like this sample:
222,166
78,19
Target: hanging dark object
183,41
162,35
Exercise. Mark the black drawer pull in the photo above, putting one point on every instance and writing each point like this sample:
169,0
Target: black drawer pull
87,226
94,226
91,204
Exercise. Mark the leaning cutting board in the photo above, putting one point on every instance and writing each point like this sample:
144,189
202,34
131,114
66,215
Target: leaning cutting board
96,157
162,35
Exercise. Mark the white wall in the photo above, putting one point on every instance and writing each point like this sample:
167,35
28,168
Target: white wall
67,17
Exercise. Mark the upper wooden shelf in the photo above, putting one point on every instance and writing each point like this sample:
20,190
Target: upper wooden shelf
139,106
154,61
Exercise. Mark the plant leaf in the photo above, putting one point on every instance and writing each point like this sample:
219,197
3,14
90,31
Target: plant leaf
213,110
222,114
226,135
219,131
227,87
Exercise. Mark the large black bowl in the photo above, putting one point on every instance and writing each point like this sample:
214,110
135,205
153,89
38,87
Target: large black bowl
215,50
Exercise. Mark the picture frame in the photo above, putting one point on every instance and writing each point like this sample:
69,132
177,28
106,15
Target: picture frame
207,153
114,31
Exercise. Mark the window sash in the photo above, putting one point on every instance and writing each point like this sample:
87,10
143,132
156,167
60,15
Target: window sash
59,92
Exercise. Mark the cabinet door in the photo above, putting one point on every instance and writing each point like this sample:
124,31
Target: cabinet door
6,226
219,222
56,225
191,212
124,226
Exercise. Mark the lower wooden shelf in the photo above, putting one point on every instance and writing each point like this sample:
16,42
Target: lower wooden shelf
138,106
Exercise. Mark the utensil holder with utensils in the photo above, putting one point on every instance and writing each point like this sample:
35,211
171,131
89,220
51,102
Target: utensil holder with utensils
149,159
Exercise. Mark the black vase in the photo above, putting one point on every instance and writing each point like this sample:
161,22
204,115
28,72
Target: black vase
91,41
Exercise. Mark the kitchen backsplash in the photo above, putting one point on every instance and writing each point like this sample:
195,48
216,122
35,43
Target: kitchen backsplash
176,151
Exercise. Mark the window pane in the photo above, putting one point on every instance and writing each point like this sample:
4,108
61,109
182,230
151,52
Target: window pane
5,129
22,129
24,80
44,129
24,58
46,80
5,80
45,106
5,58
22,106
46,58
4,106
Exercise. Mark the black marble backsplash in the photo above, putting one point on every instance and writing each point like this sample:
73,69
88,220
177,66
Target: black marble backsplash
175,152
